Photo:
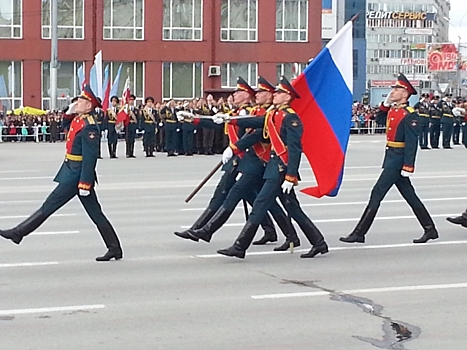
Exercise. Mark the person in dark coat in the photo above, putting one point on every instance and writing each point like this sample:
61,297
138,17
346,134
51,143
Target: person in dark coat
399,163
76,177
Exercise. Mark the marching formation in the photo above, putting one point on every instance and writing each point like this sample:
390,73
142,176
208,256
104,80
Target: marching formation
260,165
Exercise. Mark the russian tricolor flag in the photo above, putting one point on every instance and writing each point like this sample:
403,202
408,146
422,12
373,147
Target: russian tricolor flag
325,109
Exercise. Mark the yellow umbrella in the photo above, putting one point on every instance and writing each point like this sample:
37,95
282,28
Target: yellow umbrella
29,110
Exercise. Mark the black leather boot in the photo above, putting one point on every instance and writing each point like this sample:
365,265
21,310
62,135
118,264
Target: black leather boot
112,253
358,233
127,149
242,243
110,150
316,239
132,151
286,245
268,237
114,150
218,219
427,223
17,233
111,241
287,228
200,222
458,220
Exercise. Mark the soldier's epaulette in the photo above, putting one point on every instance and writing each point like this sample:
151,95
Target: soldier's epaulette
290,110
249,109
91,120
410,109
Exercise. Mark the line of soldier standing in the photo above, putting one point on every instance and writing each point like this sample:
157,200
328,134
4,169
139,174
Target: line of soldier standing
162,131
441,118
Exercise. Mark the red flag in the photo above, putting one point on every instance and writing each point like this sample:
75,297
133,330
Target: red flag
105,102
123,113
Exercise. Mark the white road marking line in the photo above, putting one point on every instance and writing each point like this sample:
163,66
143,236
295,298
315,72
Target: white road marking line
27,178
353,247
50,309
347,219
18,171
47,263
363,291
53,233
26,216
351,203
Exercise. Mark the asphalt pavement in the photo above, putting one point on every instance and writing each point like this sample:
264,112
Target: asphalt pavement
168,293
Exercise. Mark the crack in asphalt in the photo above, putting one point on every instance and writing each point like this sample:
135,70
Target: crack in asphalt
396,333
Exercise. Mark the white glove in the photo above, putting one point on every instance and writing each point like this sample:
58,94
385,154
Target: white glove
287,186
405,173
161,124
84,193
195,131
178,130
220,118
71,109
388,101
180,117
239,175
214,109
227,155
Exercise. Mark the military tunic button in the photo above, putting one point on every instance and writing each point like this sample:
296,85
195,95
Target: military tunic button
392,118
389,128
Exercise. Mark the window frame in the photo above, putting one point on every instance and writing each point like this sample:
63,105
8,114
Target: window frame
111,28
252,76
14,26
194,29
74,27
165,98
299,31
229,29
14,98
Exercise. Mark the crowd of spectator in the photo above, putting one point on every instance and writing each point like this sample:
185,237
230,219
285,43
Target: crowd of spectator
25,127
367,119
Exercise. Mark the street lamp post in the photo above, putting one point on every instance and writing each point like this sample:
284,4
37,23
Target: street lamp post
459,60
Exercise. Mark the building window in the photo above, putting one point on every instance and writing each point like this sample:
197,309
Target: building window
183,19
182,80
134,70
70,19
11,84
289,70
11,19
355,64
291,20
230,72
123,19
67,83
239,20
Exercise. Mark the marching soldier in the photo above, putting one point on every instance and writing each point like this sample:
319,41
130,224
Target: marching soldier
435,121
112,136
150,119
76,177
100,124
447,120
423,109
171,124
284,128
215,213
253,152
132,126
399,163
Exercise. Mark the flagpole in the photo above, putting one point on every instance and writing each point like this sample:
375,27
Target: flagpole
54,54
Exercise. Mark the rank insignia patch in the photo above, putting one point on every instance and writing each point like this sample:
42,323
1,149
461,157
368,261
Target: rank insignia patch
92,135
295,123
414,122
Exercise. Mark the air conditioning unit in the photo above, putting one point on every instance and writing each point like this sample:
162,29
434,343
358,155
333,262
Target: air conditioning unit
214,71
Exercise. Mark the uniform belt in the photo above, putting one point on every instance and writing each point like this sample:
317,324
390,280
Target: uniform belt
148,122
424,115
436,117
74,157
448,115
395,144
170,121
112,122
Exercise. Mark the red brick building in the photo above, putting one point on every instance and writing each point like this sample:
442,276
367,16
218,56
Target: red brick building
166,46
